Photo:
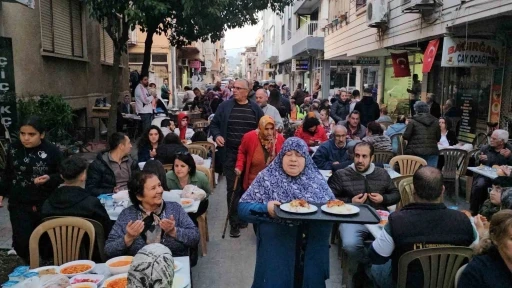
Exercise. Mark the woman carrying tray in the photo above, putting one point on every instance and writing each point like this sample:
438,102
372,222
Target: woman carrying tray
292,175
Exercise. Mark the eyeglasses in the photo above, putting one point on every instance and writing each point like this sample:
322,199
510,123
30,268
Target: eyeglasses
240,88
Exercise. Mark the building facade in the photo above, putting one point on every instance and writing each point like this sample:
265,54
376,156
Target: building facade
249,64
471,65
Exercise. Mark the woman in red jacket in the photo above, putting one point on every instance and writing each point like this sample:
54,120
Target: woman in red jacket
258,148
311,131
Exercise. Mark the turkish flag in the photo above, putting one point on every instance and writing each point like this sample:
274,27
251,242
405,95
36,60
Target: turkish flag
401,65
430,55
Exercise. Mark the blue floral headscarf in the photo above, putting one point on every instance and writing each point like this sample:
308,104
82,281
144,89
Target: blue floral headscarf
273,184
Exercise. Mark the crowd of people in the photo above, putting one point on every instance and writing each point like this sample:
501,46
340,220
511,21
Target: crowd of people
271,144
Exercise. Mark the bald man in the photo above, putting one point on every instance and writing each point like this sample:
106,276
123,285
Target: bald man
333,154
232,120
262,100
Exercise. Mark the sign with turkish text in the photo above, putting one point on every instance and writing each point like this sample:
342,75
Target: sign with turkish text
343,69
195,64
430,55
301,65
368,61
495,107
401,64
7,92
462,52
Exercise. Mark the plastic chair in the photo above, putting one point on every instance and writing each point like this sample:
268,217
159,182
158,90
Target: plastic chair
408,164
198,150
439,265
100,235
210,147
382,156
200,125
399,179
400,140
167,167
454,160
202,221
406,189
459,272
66,235
469,179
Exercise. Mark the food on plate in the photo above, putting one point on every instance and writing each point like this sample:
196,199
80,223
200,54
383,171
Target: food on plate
495,166
186,201
500,172
335,203
85,280
118,283
48,271
299,203
120,263
75,269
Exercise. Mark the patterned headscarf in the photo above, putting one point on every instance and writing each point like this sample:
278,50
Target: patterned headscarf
273,184
270,145
152,267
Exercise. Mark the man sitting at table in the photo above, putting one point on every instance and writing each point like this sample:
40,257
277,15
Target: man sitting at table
421,224
71,199
332,154
361,183
498,152
111,170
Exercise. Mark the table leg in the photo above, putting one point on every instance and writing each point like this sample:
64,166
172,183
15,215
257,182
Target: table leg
299,266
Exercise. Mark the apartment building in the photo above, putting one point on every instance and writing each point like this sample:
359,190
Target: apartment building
249,64
57,49
468,50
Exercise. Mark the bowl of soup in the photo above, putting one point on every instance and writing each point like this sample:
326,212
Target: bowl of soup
78,267
120,264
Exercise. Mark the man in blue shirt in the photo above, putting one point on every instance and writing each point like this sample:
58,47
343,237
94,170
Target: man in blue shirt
332,154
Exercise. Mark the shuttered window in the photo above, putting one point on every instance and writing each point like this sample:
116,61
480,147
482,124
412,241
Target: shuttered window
107,47
61,27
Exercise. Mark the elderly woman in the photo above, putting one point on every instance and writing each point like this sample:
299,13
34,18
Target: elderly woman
292,175
311,131
150,220
374,136
422,134
153,266
257,150
493,266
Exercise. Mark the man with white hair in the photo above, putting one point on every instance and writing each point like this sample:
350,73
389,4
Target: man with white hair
333,154
497,152
262,100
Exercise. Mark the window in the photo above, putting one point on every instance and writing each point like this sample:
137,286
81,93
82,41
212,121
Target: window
159,58
360,4
61,27
289,22
106,47
135,58
272,35
282,33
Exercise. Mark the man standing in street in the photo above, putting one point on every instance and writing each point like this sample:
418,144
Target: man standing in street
341,108
299,95
232,120
368,108
165,92
144,103
415,92
435,108
262,100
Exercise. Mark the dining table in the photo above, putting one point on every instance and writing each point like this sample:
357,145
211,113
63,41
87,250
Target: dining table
484,171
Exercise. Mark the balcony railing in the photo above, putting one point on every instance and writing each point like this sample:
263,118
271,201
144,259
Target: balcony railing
307,30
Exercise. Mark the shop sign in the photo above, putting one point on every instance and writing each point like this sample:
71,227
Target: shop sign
7,92
300,65
343,69
367,61
462,52
467,128
195,64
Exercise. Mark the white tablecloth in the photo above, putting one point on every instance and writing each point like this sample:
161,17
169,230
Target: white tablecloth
184,272
392,173
487,171
114,213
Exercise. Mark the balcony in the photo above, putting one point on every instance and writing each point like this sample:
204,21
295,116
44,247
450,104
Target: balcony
308,37
305,6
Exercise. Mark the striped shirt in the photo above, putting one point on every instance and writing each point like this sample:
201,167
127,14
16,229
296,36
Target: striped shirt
241,120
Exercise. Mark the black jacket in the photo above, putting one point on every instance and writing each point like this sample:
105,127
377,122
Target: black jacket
347,183
486,271
23,165
435,109
369,110
165,152
423,134
299,97
451,137
76,202
101,178
340,110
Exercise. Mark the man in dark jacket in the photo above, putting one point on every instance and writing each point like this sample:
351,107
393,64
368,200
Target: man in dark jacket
232,120
111,170
333,155
299,95
341,108
435,108
361,183
423,133
368,108
416,226
71,199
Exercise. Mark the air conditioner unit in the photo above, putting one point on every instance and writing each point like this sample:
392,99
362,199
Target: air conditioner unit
183,62
417,6
377,13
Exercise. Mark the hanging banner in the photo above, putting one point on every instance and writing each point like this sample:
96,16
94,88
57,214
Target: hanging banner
495,107
8,111
401,65
462,52
194,64
430,55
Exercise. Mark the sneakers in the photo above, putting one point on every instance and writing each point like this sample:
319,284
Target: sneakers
12,252
243,225
234,231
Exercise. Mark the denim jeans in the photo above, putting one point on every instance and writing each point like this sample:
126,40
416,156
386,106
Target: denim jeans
353,236
146,119
431,160
382,275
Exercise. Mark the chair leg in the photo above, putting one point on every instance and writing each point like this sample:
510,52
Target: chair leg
469,184
202,233
206,227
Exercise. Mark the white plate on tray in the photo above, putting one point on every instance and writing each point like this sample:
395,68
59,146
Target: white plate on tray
346,209
299,210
